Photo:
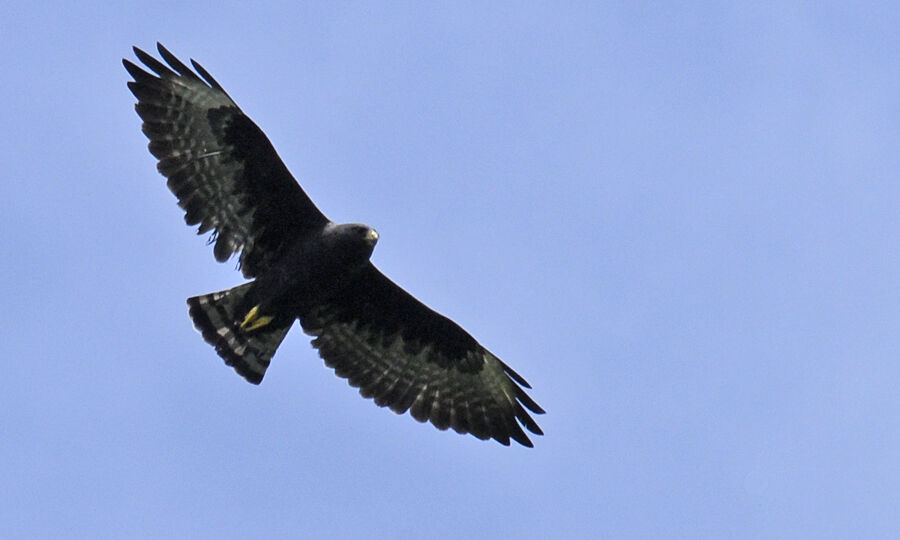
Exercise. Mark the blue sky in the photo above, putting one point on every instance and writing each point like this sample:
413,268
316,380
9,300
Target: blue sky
679,222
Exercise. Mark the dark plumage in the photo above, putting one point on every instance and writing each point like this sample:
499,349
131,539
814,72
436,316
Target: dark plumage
229,180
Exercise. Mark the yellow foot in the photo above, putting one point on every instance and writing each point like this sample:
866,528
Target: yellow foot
253,320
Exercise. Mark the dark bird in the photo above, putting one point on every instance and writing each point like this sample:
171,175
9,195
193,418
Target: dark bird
229,180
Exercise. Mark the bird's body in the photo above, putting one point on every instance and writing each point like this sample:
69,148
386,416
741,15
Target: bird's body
314,269
229,180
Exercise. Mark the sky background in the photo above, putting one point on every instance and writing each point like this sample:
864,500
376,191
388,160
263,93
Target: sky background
678,221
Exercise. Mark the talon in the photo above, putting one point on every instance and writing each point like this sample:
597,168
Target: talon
253,320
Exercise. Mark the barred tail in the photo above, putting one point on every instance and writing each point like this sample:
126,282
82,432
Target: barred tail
216,316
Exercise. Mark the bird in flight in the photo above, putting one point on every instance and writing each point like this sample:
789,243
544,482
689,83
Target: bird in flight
231,183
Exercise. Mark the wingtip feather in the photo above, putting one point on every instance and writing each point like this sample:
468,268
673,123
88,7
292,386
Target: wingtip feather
176,64
158,67
207,77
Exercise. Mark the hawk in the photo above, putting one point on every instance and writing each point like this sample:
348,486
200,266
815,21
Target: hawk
230,181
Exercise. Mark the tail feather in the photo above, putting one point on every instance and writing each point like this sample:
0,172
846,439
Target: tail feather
216,316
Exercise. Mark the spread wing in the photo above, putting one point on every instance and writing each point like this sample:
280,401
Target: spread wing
224,171
408,357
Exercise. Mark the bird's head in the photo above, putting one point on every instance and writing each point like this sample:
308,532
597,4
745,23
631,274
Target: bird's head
353,241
